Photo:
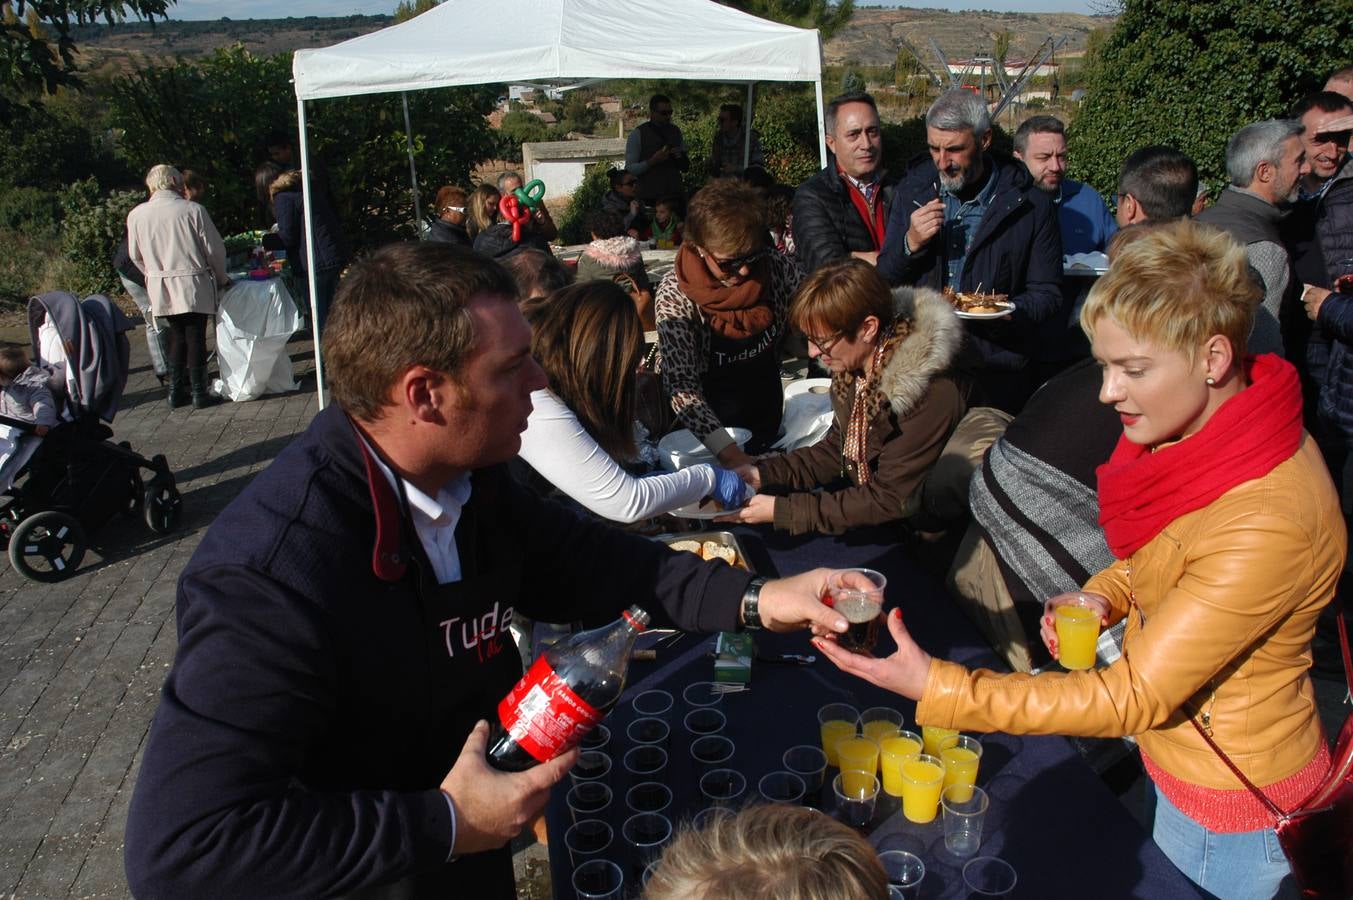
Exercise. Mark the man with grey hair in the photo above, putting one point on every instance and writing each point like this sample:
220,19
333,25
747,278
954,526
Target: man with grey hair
541,221
843,210
965,220
1265,162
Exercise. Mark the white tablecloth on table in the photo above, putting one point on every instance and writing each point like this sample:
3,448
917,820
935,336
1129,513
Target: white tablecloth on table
253,324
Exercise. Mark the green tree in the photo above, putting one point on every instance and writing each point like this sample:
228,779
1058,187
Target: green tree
407,9
213,116
827,17
31,62
852,82
1190,74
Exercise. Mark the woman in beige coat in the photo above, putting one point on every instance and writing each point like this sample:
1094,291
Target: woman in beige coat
175,243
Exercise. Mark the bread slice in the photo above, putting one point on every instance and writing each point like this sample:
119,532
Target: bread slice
687,546
711,550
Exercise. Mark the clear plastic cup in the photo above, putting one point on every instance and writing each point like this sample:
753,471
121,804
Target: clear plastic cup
965,809
648,797
836,722
713,751
988,876
645,834
880,722
588,799
652,703
857,753
723,787
587,838
703,721
592,765
649,730
701,694
781,787
598,879
856,793
810,764
905,871
645,762
599,738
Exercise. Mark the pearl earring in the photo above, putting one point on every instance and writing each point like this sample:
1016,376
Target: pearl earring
1211,381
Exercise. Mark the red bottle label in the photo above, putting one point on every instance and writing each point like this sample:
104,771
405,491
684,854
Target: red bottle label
543,715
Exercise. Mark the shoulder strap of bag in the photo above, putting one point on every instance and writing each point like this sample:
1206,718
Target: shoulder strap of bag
1263,798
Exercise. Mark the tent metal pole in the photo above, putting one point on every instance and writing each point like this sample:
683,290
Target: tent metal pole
821,122
310,248
747,126
413,170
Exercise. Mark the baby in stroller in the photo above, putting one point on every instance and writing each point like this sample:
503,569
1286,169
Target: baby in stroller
62,475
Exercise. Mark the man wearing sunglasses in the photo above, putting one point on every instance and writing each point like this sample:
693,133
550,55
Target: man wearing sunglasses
656,153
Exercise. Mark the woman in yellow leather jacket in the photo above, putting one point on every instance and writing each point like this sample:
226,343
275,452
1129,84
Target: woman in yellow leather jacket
1229,542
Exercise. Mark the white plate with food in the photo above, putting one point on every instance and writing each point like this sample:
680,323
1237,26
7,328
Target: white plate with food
998,309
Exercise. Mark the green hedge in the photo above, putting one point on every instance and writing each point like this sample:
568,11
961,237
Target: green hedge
92,229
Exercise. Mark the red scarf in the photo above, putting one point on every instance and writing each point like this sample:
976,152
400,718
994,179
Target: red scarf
873,218
1141,492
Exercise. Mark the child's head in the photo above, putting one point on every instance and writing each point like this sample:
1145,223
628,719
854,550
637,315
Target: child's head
12,363
662,212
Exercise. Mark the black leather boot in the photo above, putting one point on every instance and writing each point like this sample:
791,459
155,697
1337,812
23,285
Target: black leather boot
202,397
177,387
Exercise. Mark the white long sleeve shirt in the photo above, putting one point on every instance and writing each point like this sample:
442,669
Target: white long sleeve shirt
556,445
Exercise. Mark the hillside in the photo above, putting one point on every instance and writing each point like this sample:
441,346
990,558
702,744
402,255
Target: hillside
872,37
869,40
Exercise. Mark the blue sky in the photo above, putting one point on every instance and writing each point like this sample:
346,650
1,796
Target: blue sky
276,9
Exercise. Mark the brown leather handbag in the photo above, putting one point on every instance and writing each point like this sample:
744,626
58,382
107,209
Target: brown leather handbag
1317,836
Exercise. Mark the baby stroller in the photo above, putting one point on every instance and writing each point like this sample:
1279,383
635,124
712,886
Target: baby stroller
63,487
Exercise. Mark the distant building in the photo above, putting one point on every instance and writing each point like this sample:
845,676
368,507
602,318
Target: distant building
562,164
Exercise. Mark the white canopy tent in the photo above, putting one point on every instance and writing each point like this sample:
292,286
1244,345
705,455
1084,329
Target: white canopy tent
465,42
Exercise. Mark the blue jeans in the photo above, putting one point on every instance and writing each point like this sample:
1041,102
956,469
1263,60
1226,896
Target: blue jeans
1245,865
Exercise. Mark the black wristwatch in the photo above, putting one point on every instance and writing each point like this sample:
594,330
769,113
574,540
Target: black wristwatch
751,599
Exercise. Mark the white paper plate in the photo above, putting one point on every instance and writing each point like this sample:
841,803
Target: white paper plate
1085,264
681,449
693,511
1009,308
815,386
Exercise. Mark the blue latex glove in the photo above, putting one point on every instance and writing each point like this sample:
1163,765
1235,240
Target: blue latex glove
729,489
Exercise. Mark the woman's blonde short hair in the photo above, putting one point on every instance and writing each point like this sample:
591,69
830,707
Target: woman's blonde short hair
769,853
1176,285
164,178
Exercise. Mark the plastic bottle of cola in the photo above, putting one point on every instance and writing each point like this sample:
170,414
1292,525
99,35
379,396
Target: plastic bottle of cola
566,692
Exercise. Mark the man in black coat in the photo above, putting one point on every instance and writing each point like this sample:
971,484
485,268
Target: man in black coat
343,628
964,219
843,210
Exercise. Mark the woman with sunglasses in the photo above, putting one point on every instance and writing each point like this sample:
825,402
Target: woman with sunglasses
893,401
1228,541
721,312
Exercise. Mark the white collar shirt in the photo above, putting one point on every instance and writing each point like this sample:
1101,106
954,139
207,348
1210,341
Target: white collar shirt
434,519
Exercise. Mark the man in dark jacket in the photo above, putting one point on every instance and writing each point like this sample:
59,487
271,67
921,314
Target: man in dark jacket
655,153
1319,232
965,220
843,210
343,626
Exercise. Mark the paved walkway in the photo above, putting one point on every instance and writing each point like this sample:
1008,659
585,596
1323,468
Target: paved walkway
82,662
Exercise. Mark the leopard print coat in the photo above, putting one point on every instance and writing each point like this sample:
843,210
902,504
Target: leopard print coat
683,343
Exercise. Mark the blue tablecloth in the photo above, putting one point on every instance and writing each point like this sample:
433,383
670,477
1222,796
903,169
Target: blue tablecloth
1051,816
